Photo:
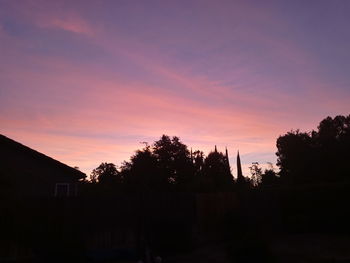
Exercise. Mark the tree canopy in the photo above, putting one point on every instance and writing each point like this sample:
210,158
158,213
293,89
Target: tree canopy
168,165
216,171
106,173
316,156
174,160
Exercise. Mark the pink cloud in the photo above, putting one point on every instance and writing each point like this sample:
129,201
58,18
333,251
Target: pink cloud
51,14
81,112
71,24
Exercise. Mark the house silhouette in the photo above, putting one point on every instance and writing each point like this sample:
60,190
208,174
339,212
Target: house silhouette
29,173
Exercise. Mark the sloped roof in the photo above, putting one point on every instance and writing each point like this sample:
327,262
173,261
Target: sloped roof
19,158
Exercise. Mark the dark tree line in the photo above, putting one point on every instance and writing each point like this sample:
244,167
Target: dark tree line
168,165
319,156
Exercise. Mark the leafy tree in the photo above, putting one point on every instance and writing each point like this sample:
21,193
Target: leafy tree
142,172
294,154
256,174
269,178
174,161
317,156
332,143
216,172
105,173
337,129
165,165
198,162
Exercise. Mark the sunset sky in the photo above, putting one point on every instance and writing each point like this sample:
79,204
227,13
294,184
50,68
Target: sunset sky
87,81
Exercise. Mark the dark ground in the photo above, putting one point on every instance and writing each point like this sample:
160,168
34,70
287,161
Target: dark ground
296,248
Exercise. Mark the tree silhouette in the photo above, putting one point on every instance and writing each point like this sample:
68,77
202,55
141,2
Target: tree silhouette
216,172
106,173
316,156
332,143
198,161
142,172
256,174
174,161
294,156
165,165
269,178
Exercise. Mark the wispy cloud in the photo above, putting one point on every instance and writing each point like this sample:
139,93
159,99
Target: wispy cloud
71,24
88,89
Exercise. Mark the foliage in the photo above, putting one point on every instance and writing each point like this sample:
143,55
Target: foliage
198,162
269,178
317,156
105,173
142,171
294,155
216,171
174,160
168,165
256,173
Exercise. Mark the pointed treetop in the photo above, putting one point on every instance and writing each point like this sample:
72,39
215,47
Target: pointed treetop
227,159
239,168
216,150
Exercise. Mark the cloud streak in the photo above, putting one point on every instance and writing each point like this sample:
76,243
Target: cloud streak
87,83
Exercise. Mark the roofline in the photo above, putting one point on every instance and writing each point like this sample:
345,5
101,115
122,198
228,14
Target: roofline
76,172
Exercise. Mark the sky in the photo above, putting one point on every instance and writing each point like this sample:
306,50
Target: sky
86,82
